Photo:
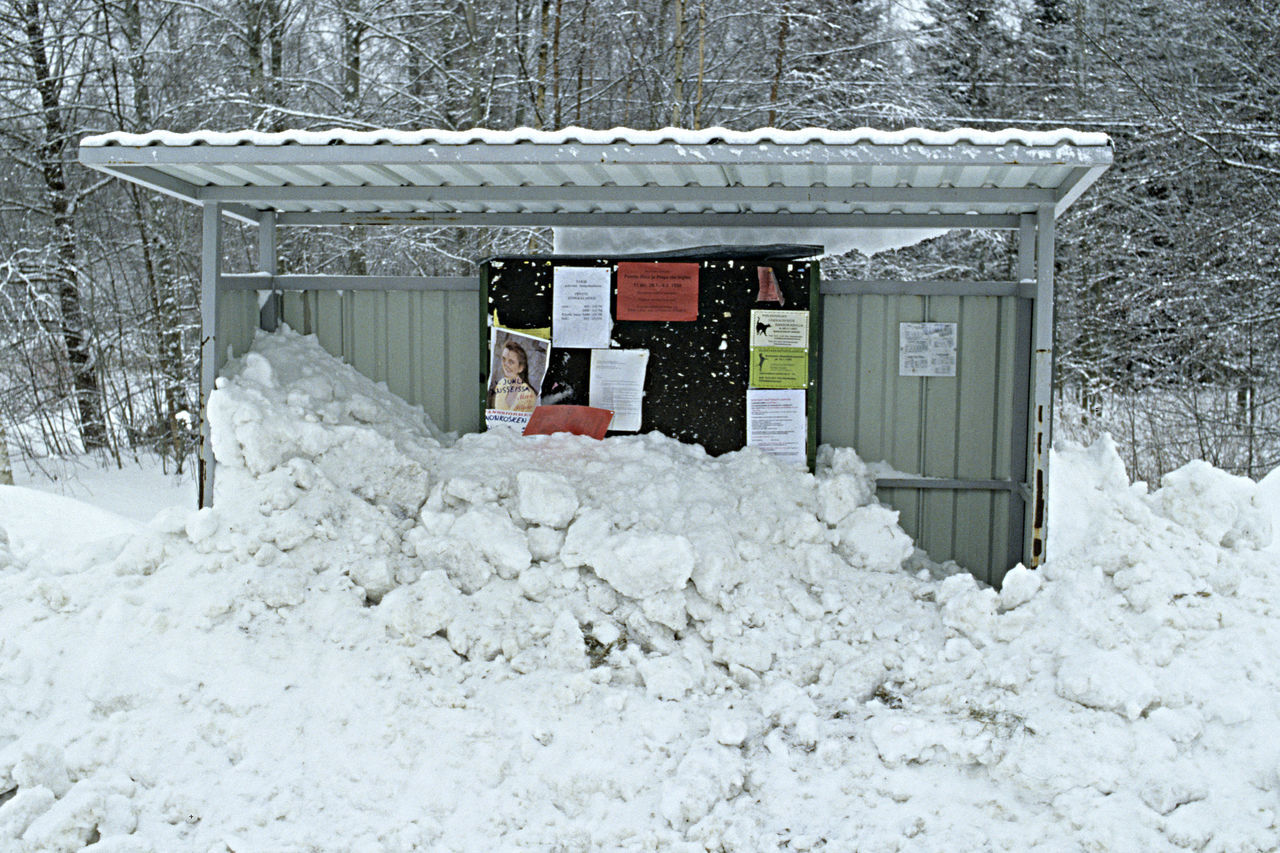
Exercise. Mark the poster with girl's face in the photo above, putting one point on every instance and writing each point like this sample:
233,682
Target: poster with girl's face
518,363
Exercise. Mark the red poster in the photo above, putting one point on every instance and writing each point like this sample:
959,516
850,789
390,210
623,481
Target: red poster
653,291
579,420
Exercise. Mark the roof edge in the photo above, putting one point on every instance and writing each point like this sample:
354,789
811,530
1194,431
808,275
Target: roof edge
864,136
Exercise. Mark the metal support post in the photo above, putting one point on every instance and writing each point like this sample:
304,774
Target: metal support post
210,271
272,309
1024,425
1041,429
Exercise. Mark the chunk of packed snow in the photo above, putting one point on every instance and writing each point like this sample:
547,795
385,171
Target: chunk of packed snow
1219,506
546,498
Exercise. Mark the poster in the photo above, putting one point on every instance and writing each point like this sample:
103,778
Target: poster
779,367
617,383
769,290
578,420
777,424
657,291
927,349
580,307
779,328
517,365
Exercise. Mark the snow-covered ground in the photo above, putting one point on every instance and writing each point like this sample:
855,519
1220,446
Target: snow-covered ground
382,639
137,489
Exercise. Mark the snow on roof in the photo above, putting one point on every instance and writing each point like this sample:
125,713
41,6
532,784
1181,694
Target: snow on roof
617,135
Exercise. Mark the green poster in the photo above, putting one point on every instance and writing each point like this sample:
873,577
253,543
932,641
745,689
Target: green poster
779,367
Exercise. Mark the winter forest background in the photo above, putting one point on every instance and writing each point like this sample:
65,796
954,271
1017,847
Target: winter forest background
1167,268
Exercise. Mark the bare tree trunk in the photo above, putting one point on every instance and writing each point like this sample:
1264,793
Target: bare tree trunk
353,32
131,26
784,25
6,469
166,309
555,68
157,267
473,48
275,40
61,200
412,30
264,40
253,39
677,78
540,96
1080,48
702,63
518,102
582,63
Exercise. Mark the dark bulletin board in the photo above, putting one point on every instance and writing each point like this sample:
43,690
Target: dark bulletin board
696,384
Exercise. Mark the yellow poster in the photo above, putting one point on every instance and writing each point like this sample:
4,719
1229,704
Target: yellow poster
779,367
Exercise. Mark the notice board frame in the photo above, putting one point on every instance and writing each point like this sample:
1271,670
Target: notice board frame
677,402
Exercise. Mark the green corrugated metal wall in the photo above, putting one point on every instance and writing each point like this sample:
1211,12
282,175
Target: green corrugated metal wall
427,354
961,427
237,322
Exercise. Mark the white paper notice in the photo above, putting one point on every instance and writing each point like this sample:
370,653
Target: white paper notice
776,424
617,384
580,307
926,349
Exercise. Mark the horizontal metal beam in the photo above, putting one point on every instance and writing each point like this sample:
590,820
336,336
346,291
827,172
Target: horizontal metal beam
846,287
156,180
943,483
179,189
294,282
655,220
1027,197
244,214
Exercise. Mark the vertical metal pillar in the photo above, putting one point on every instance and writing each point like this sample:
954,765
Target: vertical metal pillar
1041,427
271,310
1024,428
210,275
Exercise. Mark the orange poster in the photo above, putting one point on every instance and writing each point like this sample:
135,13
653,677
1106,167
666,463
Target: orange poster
657,291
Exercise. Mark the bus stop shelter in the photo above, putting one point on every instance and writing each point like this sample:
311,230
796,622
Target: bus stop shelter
968,454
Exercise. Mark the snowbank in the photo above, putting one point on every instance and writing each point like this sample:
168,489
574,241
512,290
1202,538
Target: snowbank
402,643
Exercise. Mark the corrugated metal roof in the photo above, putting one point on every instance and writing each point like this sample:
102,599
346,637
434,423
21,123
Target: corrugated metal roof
624,135
575,177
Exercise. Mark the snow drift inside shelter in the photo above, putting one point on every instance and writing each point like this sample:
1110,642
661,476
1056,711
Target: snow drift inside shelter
407,642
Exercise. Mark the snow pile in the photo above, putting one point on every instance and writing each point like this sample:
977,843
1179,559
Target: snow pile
513,547
317,462
556,643
1127,687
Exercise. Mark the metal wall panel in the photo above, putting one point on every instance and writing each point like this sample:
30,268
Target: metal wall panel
237,322
422,344
960,427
